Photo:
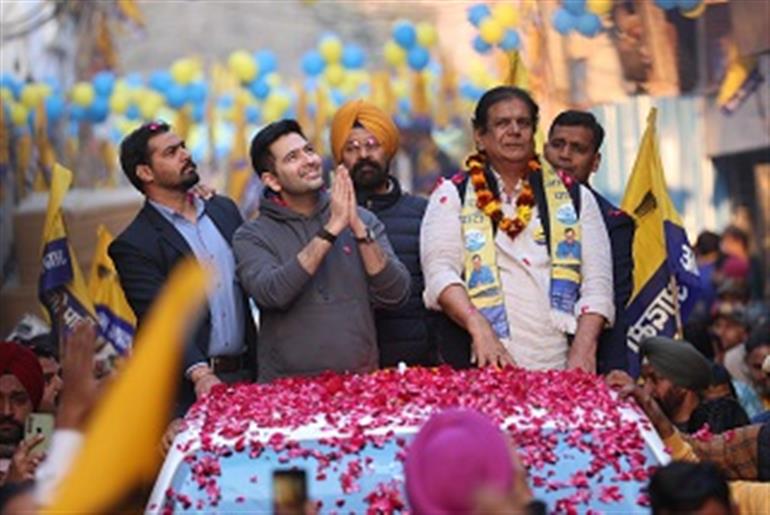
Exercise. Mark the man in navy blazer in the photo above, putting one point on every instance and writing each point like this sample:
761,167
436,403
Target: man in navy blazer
573,146
172,225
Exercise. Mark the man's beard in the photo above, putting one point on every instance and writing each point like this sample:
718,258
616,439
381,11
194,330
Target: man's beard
12,434
671,401
368,174
190,177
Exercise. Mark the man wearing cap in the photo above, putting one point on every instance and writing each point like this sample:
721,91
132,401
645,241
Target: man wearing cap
365,139
675,375
21,389
172,225
314,262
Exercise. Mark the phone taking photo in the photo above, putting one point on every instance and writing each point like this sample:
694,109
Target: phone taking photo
289,492
40,424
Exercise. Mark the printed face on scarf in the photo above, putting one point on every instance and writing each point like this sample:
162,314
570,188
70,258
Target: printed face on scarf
366,159
571,148
170,164
297,167
509,136
15,405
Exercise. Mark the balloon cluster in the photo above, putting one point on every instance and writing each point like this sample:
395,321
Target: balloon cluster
22,100
410,44
479,80
583,16
334,62
497,27
688,8
257,74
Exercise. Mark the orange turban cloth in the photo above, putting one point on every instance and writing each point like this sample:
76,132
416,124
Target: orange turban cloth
373,119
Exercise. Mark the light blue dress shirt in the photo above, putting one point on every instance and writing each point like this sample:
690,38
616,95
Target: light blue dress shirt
225,300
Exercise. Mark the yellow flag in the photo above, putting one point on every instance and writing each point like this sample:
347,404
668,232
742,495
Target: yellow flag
45,150
661,252
120,451
741,78
239,171
62,289
117,321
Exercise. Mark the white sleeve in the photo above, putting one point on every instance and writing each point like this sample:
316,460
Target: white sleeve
596,287
441,243
65,444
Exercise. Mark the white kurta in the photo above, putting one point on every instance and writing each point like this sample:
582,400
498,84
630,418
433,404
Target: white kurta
525,273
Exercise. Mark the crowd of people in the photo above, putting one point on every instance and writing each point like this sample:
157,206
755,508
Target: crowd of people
515,260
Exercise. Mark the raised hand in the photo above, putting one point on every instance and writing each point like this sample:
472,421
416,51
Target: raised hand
340,201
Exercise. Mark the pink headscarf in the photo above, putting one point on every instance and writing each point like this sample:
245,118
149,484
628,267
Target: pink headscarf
455,453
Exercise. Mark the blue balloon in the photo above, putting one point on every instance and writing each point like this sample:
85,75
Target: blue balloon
404,105
260,88
353,57
176,96
161,80
10,82
589,24
225,102
563,21
267,61
575,7
133,112
252,114
666,5
688,5
405,34
54,107
511,40
77,113
481,46
338,97
196,92
99,109
53,83
198,112
313,63
418,58
134,80
103,83
477,13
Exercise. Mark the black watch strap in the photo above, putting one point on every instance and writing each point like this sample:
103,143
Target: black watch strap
368,236
326,235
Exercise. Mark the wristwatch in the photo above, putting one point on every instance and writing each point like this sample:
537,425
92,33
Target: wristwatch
368,236
326,235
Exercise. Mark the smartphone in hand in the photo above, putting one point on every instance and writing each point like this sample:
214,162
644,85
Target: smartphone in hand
289,492
40,424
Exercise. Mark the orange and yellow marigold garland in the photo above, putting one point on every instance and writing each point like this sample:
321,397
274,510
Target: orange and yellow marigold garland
490,204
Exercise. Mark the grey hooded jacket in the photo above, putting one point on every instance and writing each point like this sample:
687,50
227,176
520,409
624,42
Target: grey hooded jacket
309,324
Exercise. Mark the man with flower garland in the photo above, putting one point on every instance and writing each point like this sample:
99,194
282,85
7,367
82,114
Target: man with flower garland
512,209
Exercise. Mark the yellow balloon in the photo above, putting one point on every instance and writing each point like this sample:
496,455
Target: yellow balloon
330,49
334,74
491,31
183,70
349,85
243,65
6,94
19,114
83,94
696,12
400,88
599,7
394,54
149,104
426,34
119,101
507,15
271,113
31,96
